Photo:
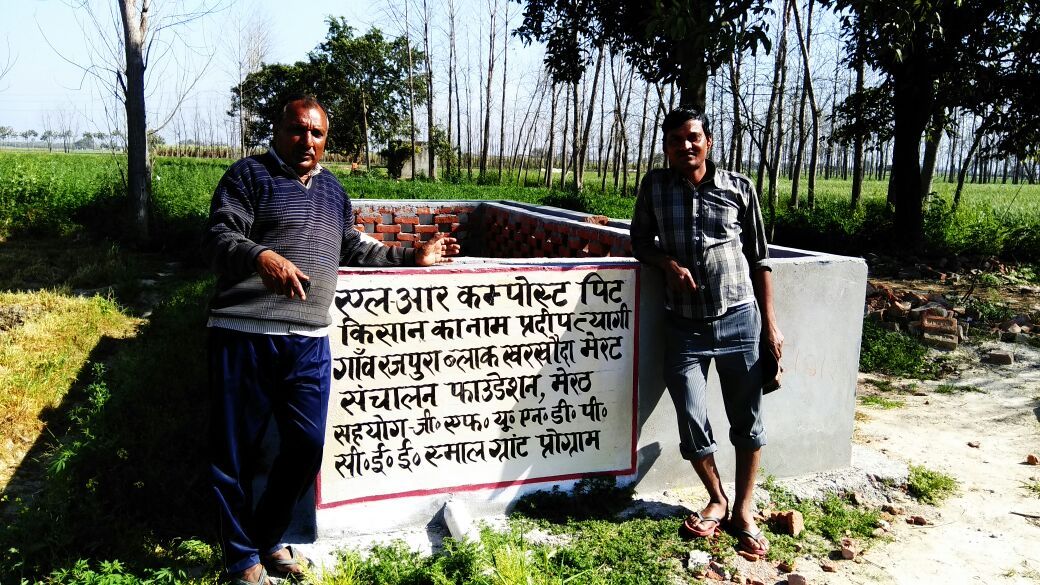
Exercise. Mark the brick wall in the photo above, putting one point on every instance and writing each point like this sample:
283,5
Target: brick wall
492,230
406,224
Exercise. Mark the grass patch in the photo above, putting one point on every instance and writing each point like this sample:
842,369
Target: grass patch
43,356
881,402
892,353
1032,487
124,481
827,521
884,385
930,487
957,389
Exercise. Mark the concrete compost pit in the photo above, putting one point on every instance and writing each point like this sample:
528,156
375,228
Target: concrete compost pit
534,361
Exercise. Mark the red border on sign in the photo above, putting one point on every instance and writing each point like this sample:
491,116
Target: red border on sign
448,269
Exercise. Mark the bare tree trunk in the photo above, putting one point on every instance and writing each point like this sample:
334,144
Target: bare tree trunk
780,79
431,172
526,152
658,113
777,89
469,118
451,90
582,157
540,93
576,138
411,87
951,162
364,129
976,140
624,132
600,160
931,150
857,156
816,110
642,134
798,139
505,71
552,138
737,136
563,136
493,12
139,164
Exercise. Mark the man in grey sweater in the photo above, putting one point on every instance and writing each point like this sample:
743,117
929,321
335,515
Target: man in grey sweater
279,227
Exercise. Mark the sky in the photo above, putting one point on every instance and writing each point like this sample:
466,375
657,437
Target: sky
45,41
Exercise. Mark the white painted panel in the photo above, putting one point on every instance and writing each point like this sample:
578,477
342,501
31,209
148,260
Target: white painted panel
450,379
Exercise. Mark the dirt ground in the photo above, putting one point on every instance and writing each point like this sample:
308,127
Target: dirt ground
989,531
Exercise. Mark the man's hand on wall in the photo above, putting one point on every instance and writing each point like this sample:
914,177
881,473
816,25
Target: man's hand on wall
281,276
436,250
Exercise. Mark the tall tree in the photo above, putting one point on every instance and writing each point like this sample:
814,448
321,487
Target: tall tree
486,142
361,81
938,54
673,42
430,170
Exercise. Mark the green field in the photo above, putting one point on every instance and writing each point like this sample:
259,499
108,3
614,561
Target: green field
60,194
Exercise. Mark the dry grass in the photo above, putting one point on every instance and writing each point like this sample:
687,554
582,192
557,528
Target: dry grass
50,339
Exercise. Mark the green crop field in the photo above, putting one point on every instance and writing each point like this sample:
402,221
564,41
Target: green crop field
60,194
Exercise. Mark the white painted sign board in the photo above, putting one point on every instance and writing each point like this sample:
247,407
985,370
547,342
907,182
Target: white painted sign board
463,378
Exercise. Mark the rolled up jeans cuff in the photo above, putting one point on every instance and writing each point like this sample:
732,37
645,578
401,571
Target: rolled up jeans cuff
748,443
690,454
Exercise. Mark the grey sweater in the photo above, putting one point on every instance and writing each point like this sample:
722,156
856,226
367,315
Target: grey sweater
259,206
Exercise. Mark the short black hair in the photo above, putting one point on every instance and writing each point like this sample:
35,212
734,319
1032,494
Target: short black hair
681,115
308,100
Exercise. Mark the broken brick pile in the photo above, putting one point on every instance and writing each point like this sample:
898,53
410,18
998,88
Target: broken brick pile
930,316
941,323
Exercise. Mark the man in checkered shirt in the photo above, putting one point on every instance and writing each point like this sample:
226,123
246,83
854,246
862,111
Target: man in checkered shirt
702,226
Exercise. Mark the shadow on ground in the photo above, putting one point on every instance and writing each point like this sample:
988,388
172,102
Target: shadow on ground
118,471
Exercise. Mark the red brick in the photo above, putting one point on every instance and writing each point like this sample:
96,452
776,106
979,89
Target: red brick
446,219
377,236
596,249
393,244
425,210
360,227
426,229
388,229
402,237
575,243
370,218
409,219
548,246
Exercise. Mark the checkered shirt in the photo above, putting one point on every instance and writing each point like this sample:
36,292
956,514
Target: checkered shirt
714,229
